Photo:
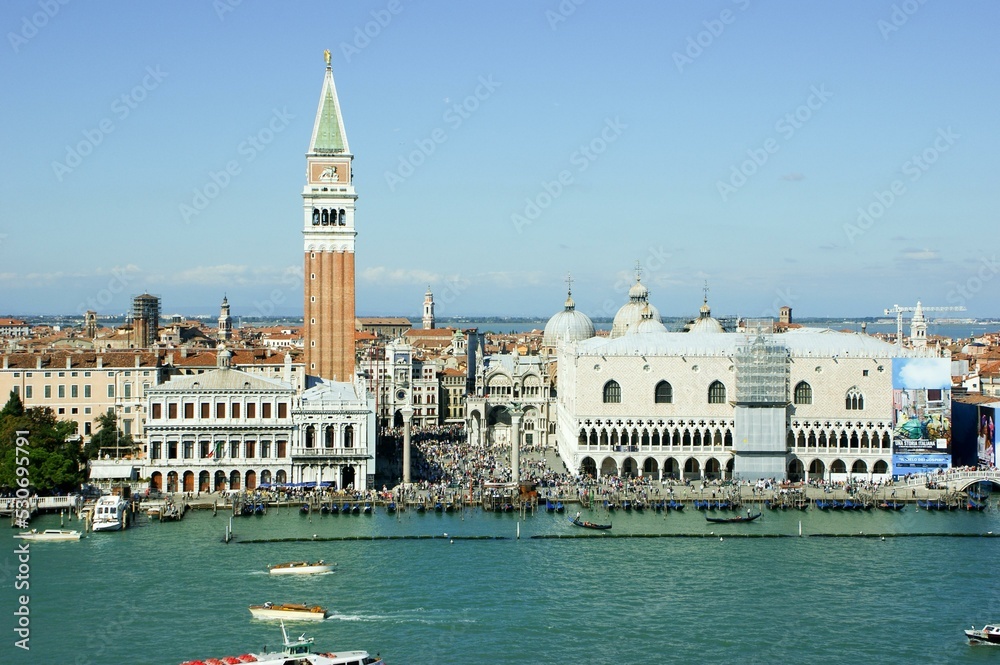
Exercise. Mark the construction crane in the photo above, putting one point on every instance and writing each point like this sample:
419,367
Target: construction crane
898,311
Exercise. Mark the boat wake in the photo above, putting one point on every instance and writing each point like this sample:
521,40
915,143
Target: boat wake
417,616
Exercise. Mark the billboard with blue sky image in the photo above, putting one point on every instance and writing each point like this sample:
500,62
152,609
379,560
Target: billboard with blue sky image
921,415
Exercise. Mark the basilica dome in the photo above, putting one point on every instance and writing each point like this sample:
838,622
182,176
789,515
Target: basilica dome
647,324
630,313
568,325
705,323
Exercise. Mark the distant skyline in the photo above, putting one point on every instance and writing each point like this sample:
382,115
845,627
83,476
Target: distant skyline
833,157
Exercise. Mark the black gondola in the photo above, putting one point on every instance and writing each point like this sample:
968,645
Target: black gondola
733,520
589,525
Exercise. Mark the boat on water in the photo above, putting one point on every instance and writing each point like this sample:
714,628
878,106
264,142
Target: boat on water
989,634
294,651
49,535
110,514
300,568
288,611
588,525
733,520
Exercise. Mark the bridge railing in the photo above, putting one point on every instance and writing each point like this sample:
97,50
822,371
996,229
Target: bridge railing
939,478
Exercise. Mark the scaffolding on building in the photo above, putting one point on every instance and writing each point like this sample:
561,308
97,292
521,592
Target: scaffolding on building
762,370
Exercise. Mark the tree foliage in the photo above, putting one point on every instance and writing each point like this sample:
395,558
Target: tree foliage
106,437
53,451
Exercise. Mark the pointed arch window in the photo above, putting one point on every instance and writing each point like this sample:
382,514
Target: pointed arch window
803,393
612,392
716,393
854,400
664,393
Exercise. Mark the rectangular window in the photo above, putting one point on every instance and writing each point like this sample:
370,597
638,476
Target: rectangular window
206,409
154,450
157,411
282,409
220,410
127,427
188,449
128,390
86,428
265,449
86,410
48,392
86,374
189,409
27,392
249,449
282,447
234,410
62,391
111,390
172,450
203,449
234,448
17,390
74,391
265,410
251,410
73,411
86,391
171,411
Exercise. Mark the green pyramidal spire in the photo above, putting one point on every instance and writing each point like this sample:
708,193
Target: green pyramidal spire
328,136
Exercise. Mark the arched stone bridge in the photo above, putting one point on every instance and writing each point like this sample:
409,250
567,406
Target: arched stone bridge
956,480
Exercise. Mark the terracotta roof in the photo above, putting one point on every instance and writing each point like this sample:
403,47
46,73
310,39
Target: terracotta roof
977,399
11,322
86,359
383,321
432,332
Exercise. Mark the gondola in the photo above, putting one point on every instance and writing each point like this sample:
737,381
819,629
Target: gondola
588,525
733,520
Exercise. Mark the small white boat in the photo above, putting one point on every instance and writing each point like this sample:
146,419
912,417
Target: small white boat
110,514
296,651
990,634
49,534
288,611
300,568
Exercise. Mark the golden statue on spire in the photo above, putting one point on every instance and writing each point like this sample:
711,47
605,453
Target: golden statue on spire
326,56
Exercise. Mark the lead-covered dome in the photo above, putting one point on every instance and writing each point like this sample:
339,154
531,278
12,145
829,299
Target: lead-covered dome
630,313
568,325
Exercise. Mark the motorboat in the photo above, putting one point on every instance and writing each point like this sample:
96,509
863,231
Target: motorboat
110,514
300,568
989,634
49,535
288,611
295,651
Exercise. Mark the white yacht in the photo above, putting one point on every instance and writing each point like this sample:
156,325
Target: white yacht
49,534
110,514
297,652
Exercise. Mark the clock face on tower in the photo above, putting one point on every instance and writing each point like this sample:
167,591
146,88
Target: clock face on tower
329,172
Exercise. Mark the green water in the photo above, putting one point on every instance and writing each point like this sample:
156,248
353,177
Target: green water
165,593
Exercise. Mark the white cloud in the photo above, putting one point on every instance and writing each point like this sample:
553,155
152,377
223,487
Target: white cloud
917,373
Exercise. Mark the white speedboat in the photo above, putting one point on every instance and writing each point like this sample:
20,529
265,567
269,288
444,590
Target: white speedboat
288,612
49,534
300,568
110,514
296,651
989,634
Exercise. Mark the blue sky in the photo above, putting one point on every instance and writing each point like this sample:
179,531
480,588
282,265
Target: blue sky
835,157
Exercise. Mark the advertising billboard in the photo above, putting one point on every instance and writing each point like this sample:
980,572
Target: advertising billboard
921,408
986,436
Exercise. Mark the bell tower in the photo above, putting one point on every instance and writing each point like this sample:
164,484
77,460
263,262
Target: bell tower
328,233
428,319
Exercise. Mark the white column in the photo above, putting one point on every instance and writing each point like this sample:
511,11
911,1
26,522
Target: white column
407,418
515,443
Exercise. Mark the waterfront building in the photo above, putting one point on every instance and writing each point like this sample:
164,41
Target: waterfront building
511,392
82,385
807,403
